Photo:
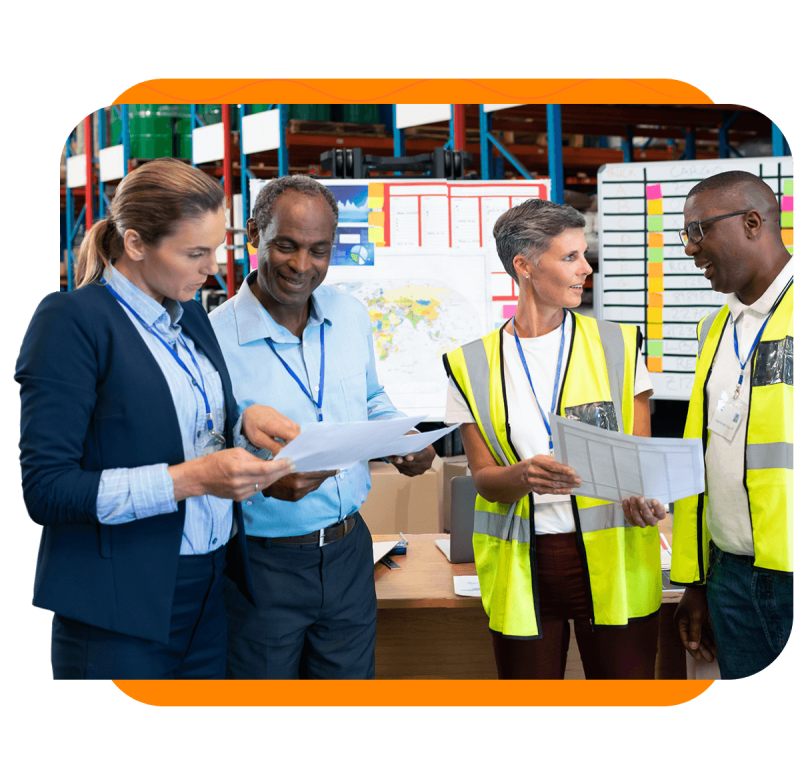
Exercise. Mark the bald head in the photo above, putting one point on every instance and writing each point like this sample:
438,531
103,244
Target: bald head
742,190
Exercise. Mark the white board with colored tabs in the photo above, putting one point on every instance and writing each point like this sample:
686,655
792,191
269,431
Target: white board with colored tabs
420,255
645,277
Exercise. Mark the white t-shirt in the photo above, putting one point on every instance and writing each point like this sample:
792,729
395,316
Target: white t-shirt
728,512
552,513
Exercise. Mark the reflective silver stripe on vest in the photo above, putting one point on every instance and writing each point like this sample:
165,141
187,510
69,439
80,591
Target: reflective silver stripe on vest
478,371
614,349
769,456
602,517
705,329
506,527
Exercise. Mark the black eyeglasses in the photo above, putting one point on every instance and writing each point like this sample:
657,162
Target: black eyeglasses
694,231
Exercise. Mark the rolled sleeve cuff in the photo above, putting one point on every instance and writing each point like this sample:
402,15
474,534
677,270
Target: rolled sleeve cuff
152,491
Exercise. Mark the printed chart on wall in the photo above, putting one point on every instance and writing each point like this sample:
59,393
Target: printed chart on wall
420,255
645,277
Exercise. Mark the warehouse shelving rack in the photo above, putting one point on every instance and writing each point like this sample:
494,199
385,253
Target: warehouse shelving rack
719,127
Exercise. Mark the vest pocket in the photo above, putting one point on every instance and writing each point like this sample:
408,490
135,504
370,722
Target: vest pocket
600,415
774,363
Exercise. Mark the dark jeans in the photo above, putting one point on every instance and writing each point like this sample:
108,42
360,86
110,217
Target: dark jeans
751,612
606,652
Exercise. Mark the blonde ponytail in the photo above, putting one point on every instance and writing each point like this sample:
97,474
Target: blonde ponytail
98,249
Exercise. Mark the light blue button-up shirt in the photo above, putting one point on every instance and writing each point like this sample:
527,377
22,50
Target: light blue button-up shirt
351,392
128,494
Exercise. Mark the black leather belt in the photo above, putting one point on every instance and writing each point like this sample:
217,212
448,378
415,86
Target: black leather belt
319,537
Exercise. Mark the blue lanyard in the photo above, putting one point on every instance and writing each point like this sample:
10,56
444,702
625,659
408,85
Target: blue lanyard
743,365
318,402
201,386
558,375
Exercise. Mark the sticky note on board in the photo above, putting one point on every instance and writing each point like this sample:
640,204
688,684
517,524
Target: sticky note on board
655,207
655,270
509,310
655,223
655,331
787,203
375,195
788,188
787,219
655,348
253,255
375,234
787,236
653,191
656,284
655,300
655,364
655,254
655,240
655,315
376,218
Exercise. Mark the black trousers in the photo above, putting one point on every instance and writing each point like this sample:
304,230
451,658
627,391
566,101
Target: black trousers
196,647
317,611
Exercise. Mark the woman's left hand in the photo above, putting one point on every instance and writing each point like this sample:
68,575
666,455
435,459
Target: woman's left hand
639,512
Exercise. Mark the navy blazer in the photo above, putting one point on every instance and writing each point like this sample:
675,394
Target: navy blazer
94,398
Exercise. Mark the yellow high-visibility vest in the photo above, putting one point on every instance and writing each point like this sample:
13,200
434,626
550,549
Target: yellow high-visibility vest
622,563
768,465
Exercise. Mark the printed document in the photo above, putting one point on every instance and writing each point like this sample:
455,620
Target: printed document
614,466
335,446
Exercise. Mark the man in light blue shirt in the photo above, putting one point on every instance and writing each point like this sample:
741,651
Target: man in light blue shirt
306,351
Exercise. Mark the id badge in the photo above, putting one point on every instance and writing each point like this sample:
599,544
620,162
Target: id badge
727,416
215,443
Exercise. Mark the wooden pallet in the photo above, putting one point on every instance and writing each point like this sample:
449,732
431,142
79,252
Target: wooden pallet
297,126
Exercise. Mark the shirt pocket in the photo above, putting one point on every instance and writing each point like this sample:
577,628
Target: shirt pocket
354,393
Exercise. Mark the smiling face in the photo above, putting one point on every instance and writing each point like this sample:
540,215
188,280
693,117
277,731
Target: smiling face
557,280
294,252
178,266
723,253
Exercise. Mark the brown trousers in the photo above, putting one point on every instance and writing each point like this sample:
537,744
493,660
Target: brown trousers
606,653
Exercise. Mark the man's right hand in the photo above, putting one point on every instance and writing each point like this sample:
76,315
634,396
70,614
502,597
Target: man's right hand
694,624
293,488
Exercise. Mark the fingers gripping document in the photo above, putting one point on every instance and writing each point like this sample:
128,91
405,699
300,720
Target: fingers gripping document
614,466
332,446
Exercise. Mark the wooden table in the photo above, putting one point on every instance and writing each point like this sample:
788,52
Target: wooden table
426,631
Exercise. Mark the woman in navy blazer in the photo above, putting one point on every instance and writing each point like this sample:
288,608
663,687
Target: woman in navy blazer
137,591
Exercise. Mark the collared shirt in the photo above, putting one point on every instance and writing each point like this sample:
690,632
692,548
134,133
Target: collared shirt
128,494
728,512
351,392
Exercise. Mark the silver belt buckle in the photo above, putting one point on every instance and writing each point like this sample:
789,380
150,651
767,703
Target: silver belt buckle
321,537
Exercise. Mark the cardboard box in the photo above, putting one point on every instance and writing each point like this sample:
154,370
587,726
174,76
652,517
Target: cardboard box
399,503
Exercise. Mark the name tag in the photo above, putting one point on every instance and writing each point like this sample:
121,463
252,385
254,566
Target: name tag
727,416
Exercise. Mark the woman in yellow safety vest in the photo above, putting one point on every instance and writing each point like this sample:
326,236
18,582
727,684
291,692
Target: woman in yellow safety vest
583,559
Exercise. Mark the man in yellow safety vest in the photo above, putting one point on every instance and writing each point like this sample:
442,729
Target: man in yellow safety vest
732,545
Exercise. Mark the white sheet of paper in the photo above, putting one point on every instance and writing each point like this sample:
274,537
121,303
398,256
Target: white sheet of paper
467,585
380,549
410,444
614,466
444,546
334,446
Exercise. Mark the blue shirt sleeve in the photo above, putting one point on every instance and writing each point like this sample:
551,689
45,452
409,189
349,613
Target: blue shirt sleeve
129,494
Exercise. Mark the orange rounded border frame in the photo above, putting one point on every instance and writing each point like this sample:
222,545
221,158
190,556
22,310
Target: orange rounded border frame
416,91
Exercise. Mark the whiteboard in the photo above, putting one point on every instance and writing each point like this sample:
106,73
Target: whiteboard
645,277
420,255
400,217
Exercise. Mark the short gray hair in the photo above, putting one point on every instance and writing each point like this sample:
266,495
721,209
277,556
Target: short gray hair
265,201
528,229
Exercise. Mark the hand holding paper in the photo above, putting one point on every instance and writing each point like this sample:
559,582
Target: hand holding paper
332,446
616,467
